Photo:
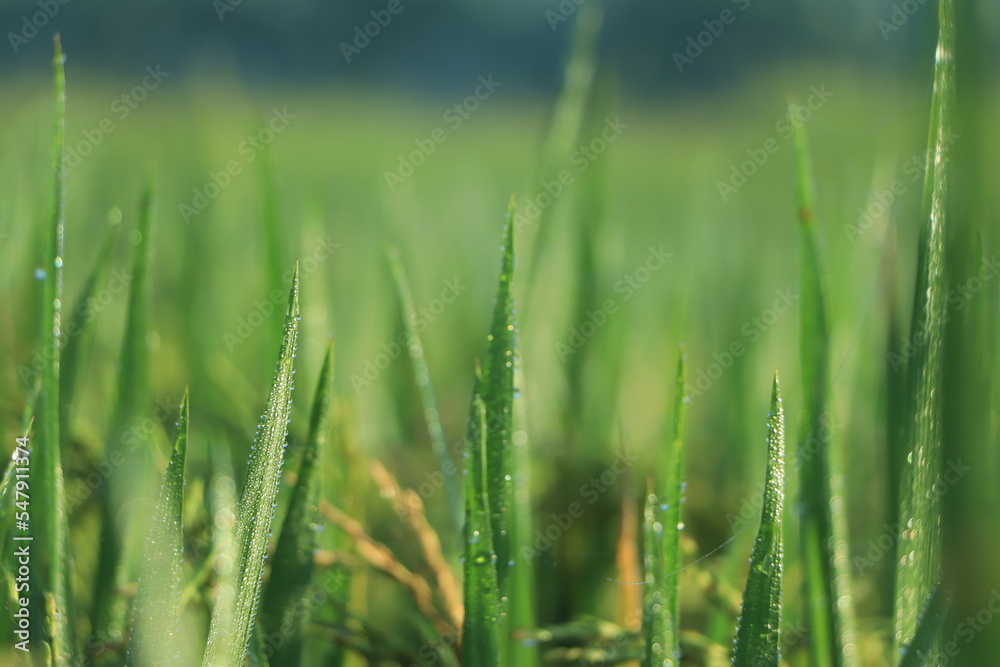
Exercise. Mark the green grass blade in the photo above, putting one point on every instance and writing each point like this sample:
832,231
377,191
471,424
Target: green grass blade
759,633
117,552
423,378
498,396
481,629
273,234
222,503
156,617
273,238
50,597
661,607
255,511
921,647
134,391
824,520
919,547
81,323
521,610
285,612
568,115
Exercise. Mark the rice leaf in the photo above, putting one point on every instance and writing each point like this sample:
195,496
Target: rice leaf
919,546
130,443
256,505
568,115
80,325
481,629
134,391
222,504
521,610
824,520
272,234
498,397
661,608
286,608
156,617
432,415
759,633
50,600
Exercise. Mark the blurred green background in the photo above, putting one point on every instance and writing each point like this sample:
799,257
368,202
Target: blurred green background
657,188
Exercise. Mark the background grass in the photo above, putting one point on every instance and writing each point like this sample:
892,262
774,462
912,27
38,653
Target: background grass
729,262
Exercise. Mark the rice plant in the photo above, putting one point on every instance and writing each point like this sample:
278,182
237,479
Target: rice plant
468,503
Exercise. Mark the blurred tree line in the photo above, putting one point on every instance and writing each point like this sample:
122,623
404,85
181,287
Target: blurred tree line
440,45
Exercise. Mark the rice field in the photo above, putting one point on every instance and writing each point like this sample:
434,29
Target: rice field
344,376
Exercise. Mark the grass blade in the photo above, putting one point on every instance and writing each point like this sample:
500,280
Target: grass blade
80,325
50,597
824,520
498,397
759,632
157,603
130,443
919,547
273,236
481,629
256,505
285,612
423,379
521,612
567,117
661,607
222,503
